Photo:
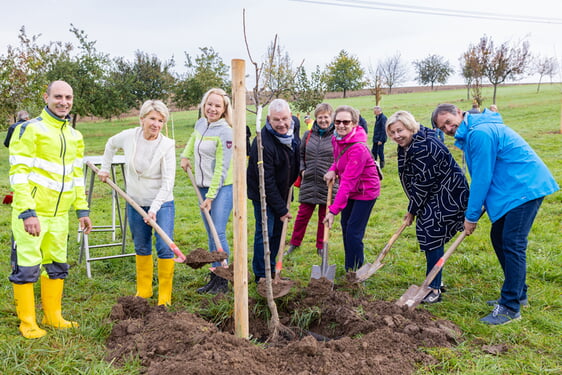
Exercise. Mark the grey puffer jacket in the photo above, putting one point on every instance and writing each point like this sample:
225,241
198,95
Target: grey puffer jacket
316,156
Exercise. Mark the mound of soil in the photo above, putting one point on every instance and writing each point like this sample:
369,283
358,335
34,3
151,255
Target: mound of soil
347,333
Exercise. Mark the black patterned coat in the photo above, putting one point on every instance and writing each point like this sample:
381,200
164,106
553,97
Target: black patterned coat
436,187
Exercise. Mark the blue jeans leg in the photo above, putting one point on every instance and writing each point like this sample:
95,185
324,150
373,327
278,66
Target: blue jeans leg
354,219
274,228
142,232
165,219
509,239
431,257
220,214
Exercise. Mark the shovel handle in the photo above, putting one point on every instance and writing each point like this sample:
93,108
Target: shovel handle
393,239
439,265
328,202
180,256
279,263
207,214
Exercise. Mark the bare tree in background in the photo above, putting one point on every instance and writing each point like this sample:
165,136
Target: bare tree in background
472,70
393,71
547,66
505,62
374,80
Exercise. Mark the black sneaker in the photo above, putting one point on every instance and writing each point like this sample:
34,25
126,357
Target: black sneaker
433,296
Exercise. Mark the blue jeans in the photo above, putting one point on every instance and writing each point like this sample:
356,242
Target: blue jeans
509,238
431,257
142,232
274,229
354,219
220,213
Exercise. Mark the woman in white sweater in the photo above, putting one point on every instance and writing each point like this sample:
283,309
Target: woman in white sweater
150,169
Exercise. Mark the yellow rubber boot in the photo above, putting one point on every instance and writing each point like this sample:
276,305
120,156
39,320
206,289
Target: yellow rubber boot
165,280
51,298
145,272
25,307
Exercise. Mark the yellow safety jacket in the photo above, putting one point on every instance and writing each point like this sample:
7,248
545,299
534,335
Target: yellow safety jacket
46,167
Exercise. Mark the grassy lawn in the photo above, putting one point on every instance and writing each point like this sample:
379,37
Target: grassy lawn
473,274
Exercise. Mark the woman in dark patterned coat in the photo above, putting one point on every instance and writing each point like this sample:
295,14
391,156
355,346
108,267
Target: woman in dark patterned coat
436,188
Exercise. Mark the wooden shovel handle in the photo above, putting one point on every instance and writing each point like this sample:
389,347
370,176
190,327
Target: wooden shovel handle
439,265
279,263
180,256
393,239
206,212
328,202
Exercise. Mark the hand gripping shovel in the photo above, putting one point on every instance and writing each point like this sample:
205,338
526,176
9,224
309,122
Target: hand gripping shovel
415,294
210,222
325,270
368,269
180,257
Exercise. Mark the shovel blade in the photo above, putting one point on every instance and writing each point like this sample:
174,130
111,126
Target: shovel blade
316,272
331,273
409,298
366,271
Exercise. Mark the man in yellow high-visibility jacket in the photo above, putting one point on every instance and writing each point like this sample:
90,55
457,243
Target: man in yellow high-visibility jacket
47,179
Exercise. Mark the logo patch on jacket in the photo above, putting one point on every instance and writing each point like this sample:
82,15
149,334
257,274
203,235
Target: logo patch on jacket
228,144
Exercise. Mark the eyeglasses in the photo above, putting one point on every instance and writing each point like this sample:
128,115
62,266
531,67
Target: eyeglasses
342,122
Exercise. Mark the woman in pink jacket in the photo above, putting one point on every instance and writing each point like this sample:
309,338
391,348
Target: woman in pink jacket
359,183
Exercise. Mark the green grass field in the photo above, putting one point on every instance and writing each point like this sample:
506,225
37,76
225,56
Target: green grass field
472,274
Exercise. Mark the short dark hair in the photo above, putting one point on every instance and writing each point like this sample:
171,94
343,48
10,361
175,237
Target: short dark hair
442,108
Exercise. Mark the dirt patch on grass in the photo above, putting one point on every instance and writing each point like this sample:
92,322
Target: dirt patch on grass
342,331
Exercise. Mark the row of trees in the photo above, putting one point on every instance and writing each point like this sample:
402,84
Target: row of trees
107,87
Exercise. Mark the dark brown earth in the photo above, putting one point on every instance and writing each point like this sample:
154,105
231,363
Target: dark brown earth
200,257
362,337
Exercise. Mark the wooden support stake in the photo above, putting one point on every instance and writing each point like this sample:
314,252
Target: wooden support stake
240,204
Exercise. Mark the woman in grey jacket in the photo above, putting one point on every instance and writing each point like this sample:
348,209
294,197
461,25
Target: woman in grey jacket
210,146
316,156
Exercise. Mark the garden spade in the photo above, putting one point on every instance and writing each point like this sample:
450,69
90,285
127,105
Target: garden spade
325,270
207,214
180,257
415,294
281,287
368,269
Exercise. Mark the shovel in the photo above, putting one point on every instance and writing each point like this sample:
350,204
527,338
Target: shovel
368,269
180,257
415,294
325,270
207,214
281,287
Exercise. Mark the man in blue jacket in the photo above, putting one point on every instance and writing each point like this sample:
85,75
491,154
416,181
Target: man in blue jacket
510,181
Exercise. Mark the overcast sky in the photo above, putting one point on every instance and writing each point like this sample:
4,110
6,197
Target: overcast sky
311,30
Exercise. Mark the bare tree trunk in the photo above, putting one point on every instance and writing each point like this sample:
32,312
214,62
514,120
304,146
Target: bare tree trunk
274,323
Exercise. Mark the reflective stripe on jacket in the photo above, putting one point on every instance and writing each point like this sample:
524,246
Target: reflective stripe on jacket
46,166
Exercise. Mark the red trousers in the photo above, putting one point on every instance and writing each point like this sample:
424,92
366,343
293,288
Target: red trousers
303,217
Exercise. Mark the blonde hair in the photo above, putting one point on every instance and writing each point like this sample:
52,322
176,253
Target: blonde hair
154,105
227,114
406,118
